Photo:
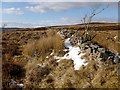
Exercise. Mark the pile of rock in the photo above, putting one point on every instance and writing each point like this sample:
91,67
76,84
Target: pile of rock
66,33
94,51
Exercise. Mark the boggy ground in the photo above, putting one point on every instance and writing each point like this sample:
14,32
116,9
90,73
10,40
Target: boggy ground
27,59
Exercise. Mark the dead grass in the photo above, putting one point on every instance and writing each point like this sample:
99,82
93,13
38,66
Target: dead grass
38,76
106,39
43,46
104,76
61,74
51,33
29,48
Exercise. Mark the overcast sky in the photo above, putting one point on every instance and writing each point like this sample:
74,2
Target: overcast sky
34,14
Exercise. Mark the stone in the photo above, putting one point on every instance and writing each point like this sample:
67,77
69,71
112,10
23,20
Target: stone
88,50
111,58
116,59
118,72
100,59
104,56
102,50
82,47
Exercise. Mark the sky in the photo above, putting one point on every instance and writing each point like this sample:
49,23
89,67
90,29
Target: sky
37,14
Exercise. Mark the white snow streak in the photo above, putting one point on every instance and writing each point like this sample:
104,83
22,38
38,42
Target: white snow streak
74,54
67,43
20,85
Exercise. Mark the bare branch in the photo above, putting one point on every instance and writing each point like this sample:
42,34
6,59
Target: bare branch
93,14
88,19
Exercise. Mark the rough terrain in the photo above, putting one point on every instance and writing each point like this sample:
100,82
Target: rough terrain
29,57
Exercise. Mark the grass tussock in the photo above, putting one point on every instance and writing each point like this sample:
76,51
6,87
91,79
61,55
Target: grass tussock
29,48
44,46
51,33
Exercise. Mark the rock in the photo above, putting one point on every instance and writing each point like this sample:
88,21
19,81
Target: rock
111,58
94,48
100,59
118,72
13,82
82,47
88,50
102,50
104,56
95,51
86,47
116,59
80,41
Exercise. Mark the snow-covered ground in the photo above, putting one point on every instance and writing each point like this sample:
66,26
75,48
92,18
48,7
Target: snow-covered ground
74,53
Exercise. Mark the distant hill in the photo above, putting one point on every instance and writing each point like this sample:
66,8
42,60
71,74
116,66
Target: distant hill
9,28
95,25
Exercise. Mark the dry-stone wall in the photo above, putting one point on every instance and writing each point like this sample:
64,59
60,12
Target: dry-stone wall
94,51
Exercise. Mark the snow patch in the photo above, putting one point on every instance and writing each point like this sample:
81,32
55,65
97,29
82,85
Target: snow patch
61,58
47,57
65,50
68,43
115,37
20,85
74,54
